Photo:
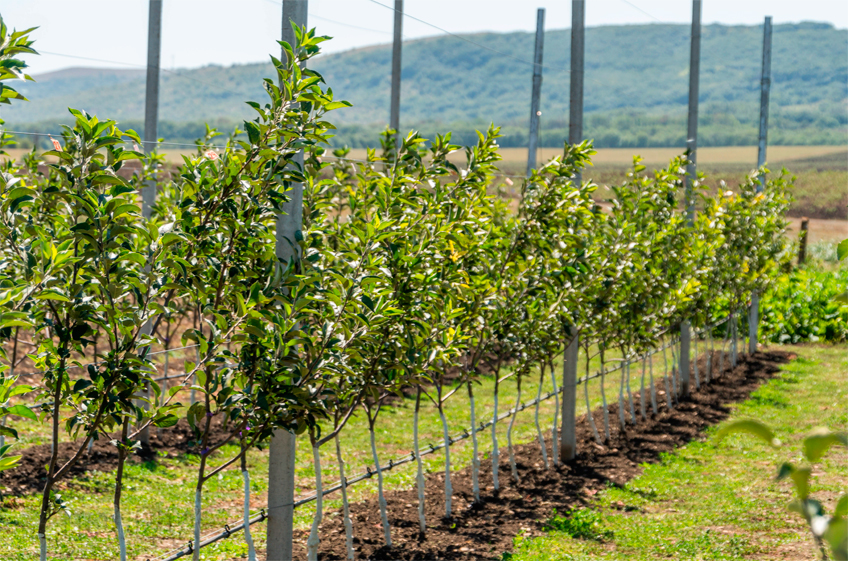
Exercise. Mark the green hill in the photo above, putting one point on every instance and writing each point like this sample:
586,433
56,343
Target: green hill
636,88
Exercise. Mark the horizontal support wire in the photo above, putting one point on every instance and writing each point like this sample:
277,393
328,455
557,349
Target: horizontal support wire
430,449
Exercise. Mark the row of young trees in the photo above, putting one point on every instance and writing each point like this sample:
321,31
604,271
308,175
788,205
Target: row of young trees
413,271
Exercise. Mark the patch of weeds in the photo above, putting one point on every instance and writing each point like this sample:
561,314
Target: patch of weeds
708,545
770,397
579,523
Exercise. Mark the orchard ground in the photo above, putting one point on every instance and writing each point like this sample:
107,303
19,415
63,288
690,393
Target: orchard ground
707,500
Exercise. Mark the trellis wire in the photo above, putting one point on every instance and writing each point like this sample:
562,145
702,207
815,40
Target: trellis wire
430,449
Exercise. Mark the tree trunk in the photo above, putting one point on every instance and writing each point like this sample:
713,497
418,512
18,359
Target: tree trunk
495,452
475,458
554,434
509,431
642,391
314,540
387,532
345,504
448,487
119,481
248,538
588,404
422,521
604,400
538,426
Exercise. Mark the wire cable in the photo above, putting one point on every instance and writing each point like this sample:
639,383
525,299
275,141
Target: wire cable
467,40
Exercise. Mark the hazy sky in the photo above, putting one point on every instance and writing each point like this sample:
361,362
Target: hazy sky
200,32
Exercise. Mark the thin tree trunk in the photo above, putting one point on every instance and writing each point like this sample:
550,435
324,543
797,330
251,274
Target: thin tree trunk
621,418
509,431
422,521
198,513
630,395
475,459
495,452
642,391
314,540
666,381
51,471
554,434
538,426
345,504
248,538
695,363
604,399
387,532
674,364
119,482
588,404
653,386
448,486
710,351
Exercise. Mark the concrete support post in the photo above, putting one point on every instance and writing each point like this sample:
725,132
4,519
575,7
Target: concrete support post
151,133
568,435
281,454
765,88
397,45
578,33
535,111
691,174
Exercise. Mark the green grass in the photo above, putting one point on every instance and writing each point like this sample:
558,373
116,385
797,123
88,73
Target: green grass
718,500
158,497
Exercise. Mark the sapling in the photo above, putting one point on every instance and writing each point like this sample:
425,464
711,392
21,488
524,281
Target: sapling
372,410
245,474
586,393
512,466
345,504
540,436
642,395
419,477
475,458
554,434
666,381
604,407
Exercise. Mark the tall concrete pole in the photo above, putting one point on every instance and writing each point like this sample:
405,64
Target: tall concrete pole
691,171
575,108
536,94
151,100
151,133
281,452
765,89
568,436
397,46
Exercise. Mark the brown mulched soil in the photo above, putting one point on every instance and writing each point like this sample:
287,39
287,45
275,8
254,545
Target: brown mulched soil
29,475
486,530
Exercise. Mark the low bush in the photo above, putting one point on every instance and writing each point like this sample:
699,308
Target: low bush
800,307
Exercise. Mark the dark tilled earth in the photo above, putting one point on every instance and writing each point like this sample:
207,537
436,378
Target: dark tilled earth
485,530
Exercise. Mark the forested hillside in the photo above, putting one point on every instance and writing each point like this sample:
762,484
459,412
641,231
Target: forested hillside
636,88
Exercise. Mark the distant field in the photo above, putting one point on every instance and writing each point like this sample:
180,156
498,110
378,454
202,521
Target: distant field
821,187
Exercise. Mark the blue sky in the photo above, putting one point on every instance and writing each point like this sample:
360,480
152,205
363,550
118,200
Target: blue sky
200,32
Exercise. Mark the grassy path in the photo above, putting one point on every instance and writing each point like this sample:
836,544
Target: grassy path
718,500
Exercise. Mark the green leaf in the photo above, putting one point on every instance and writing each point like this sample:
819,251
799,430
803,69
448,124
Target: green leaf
841,506
842,250
750,426
9,462
166,421
22,411
253,131
820,440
